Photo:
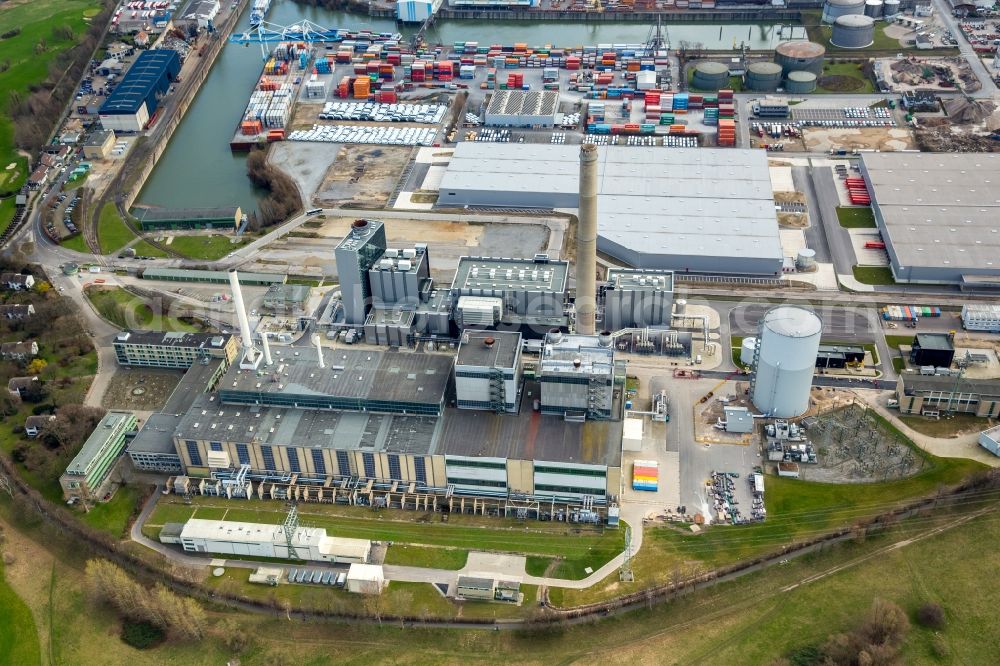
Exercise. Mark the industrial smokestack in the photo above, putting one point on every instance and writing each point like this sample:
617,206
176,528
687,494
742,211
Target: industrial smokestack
250,358
266,347
319,351
586,242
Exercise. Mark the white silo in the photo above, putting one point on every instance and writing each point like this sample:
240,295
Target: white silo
786,359
747,350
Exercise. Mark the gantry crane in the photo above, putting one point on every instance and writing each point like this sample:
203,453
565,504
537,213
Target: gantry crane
303,31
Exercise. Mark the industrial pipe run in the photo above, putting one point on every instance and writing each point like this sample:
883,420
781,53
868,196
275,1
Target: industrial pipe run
586,242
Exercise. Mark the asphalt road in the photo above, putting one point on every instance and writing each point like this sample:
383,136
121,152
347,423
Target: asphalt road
839,322
816,232
822,187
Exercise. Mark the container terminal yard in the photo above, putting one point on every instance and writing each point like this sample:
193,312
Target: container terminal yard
548,325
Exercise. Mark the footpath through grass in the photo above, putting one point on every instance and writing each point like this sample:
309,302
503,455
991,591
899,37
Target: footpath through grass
856,218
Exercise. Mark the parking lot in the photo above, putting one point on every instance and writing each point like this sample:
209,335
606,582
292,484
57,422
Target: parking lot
856,116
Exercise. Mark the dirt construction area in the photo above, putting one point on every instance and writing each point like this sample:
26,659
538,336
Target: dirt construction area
915,73
141,390
363,175
311,249
853,445
862,138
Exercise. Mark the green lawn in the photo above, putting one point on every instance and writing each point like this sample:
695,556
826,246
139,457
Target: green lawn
74,184
112,233
426,556
28,66
897,340
146,249
209,248
578,547
112,516
127,310
874,275
18,634
898,364
75,243
736,349
820,32
6,212
856,218
948,427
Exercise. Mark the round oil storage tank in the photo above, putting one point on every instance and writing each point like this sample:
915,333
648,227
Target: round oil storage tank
763,76
853,32
874,8
806,259
747,350
710,75
834,9
800,83
786,358
890,9
800,56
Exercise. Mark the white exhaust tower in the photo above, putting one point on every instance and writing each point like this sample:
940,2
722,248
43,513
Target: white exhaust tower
251,359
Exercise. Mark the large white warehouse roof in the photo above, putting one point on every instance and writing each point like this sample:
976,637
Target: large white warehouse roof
684,205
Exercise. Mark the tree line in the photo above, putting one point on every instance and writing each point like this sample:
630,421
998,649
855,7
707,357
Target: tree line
283,197
36,114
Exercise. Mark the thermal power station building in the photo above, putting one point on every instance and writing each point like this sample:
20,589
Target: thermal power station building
355,255
137,96
528,293
637,299
784,361
684,210
488,371
576,373
312,544
939,215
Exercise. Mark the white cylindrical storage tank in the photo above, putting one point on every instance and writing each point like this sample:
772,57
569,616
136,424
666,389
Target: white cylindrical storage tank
680,307
834,9
890,9
800,55
786,359
853,32
710,75
763,77
800,83
747,350
873,8
806,259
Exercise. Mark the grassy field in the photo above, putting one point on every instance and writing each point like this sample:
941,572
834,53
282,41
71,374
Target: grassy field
752,620
146,249
948,427
112,516
844,77
898,364
75,243
18,634
856,218
6,212
112,233
208,248
27,56
427,556
575,548
127,310
74,184
874,275
896,341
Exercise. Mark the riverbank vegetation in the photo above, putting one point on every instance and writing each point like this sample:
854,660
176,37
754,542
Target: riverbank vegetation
283,197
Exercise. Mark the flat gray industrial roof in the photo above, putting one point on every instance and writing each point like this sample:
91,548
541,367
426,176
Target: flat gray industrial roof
530,436
175,339
935,341
349,373
693,201
156,434
577,354
641,280
306,428
945,384
192,384
939,209
500,353
528,274
523,103
297,293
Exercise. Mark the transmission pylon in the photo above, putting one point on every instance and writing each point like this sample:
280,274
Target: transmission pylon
625,573
290,527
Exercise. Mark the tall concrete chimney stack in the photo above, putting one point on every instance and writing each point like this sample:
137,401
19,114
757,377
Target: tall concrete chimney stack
586,242
319,351
266,347
250,358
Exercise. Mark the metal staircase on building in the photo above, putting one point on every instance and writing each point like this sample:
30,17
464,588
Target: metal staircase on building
497,391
